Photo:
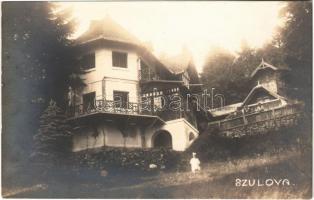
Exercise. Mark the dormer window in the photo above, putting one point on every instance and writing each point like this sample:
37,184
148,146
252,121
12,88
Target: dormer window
119,59
88,61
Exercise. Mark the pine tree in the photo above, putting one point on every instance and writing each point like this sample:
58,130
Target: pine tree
53,140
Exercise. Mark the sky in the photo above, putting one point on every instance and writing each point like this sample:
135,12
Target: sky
198,26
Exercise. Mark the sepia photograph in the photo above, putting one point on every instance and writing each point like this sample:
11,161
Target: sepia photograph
156,99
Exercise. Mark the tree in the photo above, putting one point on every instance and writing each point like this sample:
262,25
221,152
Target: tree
38,60
229,73
53,140
296,36
36,41
217,71
247,60
272,51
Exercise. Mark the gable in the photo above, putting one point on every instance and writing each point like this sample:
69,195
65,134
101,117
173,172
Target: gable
259,94
264,73
266,66
263,66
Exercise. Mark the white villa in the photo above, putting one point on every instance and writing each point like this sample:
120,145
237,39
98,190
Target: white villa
128,91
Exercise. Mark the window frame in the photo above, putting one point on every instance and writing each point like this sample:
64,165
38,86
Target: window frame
159,103
191,136
124,105
91,67
118,66
85,105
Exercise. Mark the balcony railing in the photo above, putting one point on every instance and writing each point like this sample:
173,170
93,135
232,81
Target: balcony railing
104,106
256,108
270,119
109,106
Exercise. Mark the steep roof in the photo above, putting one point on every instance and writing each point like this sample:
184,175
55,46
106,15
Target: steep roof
110,30
264,65
178,63
149,58
107,29
259,88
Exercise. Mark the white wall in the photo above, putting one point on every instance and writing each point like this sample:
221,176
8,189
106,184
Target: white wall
122,79
84,139
109,135
103,80
179,130
121,85
129,73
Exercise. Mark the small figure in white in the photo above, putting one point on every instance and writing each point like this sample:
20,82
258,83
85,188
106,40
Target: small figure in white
195,163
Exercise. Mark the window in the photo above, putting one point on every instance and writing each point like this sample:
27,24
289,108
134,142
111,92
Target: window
191,136
148,73
119,59
159,103
89,101
88,61
121,99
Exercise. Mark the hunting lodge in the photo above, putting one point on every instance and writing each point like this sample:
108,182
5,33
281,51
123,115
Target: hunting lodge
127,87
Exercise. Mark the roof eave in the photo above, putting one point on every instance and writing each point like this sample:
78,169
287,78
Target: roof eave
106,39
258,87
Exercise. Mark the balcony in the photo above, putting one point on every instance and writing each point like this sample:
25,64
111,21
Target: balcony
106,106
111,111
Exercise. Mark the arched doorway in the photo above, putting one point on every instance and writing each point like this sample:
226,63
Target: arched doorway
162,138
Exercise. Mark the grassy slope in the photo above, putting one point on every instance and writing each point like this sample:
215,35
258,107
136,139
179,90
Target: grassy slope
216,180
